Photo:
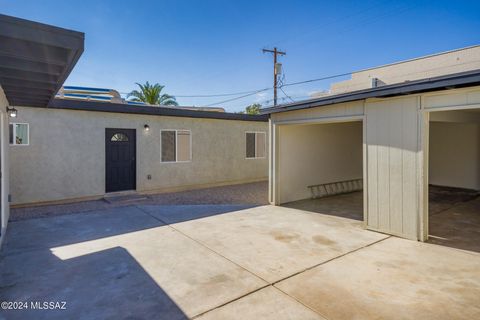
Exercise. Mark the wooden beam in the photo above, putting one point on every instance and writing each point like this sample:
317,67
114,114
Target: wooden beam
26,65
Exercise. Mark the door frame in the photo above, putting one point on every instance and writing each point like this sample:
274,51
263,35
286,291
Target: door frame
274,161
134,170
424,119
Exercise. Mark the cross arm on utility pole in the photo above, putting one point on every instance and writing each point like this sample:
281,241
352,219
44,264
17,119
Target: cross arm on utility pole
274,51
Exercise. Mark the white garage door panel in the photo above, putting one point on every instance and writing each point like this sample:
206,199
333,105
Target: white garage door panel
460,99
392,148
347,109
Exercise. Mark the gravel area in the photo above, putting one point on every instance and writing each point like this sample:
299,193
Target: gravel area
249,193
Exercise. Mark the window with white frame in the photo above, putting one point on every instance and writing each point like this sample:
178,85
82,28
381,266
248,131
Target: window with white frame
175,145
19,134
255,145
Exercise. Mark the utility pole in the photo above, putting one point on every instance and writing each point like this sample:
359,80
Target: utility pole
276,69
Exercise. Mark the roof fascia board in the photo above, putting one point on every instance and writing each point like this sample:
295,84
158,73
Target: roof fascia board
96,106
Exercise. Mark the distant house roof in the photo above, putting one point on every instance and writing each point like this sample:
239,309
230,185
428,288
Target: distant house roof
456,80
113,96
100,106
35,60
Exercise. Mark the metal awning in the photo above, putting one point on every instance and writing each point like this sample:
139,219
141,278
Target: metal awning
35,60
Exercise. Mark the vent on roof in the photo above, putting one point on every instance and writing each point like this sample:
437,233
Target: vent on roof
377,83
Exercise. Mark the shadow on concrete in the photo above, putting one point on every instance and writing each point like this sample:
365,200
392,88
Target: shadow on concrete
108,284
34,234
171,214
444,198
348,205
454,218
58,231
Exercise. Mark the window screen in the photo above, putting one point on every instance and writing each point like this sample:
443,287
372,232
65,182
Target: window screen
168,146
176,145
250,145
255,144
260,145
183,145
18,134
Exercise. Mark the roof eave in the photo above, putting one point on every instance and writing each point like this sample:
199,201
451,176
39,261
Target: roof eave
463,79
99,106
35,59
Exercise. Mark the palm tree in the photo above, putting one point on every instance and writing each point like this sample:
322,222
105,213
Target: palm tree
152,94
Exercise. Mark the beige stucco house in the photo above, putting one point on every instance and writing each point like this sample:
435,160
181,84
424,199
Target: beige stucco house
416,124
55,149
392,131
80,150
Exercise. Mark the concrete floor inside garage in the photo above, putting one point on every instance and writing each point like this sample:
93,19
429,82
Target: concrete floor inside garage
454,214
232,261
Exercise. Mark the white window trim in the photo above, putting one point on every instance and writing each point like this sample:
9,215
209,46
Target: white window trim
14,133
264,144
176,149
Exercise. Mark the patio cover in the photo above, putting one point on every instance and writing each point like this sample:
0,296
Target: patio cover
35,60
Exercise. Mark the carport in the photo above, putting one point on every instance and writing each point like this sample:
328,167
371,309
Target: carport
320,166
453,166
310,143
35,60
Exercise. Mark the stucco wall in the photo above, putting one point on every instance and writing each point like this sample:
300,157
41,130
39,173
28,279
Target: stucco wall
66,155
315,154
424,67
454,155
4,181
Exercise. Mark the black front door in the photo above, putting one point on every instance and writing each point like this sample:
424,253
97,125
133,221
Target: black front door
120,159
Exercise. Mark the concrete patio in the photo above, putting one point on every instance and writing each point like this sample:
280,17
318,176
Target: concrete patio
219,261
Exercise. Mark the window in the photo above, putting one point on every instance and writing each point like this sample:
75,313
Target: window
119,137
18,134
176,146
255,145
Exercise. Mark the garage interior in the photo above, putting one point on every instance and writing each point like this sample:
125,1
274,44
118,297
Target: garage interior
320,168
454,179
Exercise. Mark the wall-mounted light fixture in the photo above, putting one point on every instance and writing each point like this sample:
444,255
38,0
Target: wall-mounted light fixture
146,127
12,112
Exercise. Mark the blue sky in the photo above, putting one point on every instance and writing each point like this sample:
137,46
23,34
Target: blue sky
214,47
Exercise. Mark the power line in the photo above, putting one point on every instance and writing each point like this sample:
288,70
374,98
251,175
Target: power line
317,79
283,85
208,95
281,89
237,98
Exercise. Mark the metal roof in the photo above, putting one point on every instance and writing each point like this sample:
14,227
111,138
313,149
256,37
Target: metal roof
100,106
35,59
456,80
